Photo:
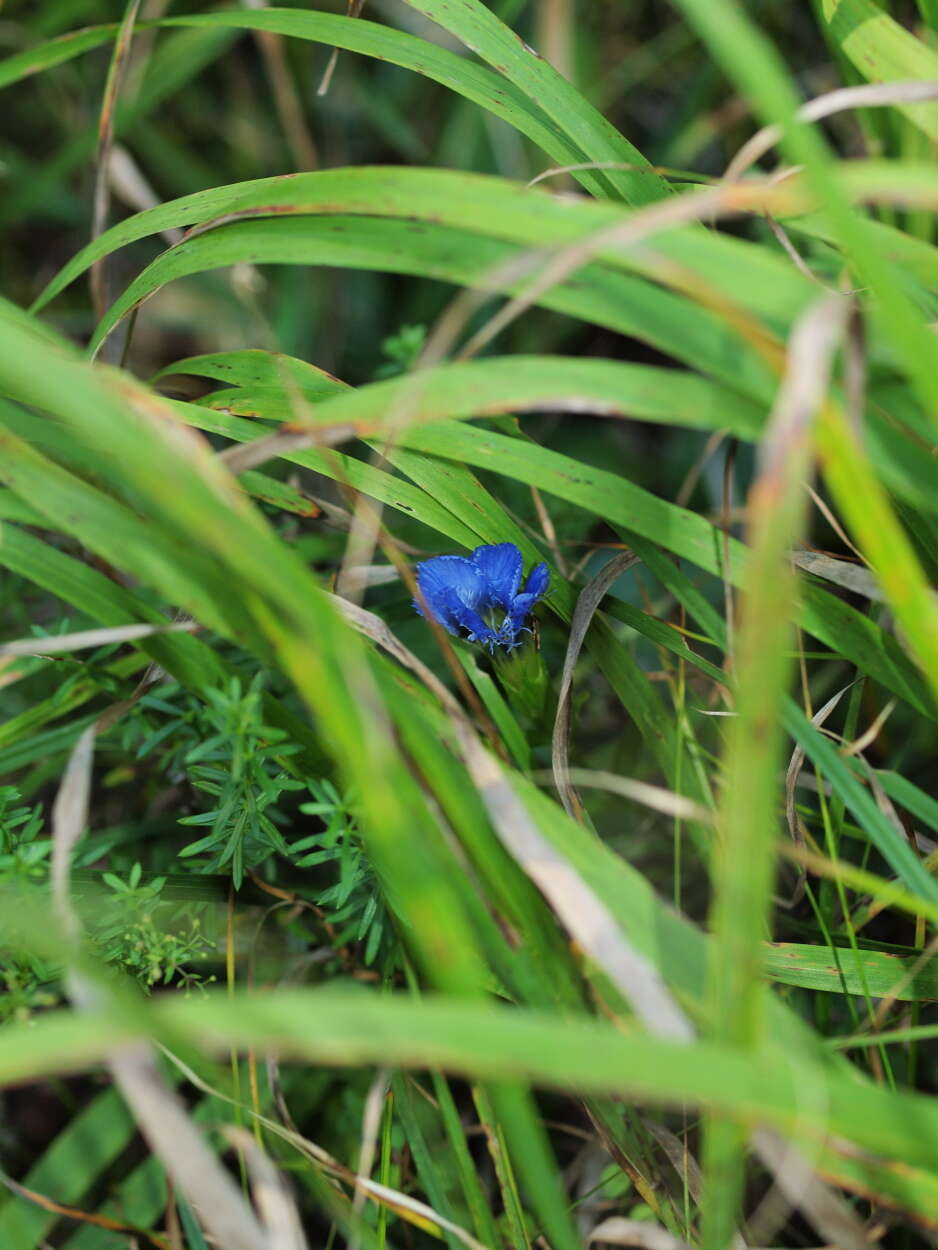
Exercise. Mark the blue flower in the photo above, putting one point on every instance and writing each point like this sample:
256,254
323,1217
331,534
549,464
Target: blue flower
480,596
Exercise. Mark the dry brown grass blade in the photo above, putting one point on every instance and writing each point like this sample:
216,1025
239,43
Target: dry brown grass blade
795,256
869,95
812,347
550,533
813,344
374,627
856,578
556,36
84,638
244,456
173,1220
871,733
656,797
70,812
98,275
160,1115
828,515
353,9
180,1147
272,1196
360,576
618,1231
590,598
371,1127
678,1155
589,1201
797,1186
128,183
883,801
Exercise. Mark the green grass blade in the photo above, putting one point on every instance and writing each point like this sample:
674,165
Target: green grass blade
835,972
619,301
53,52
352,1028
884,51
750,60
479,29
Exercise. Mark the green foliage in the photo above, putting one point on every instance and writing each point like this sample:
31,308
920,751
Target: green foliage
29,982
402,350
24,853
353,904
237,759
132,934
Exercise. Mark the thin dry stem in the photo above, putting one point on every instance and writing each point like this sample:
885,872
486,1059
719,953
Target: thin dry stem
98,276
869,95
286,98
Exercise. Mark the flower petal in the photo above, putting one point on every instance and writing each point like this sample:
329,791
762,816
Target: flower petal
459,592
500,564
523,604
448,584
455,573
461,615
520,608
457,618
538,581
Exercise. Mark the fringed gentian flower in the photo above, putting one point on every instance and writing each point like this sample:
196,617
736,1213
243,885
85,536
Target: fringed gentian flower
479,597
